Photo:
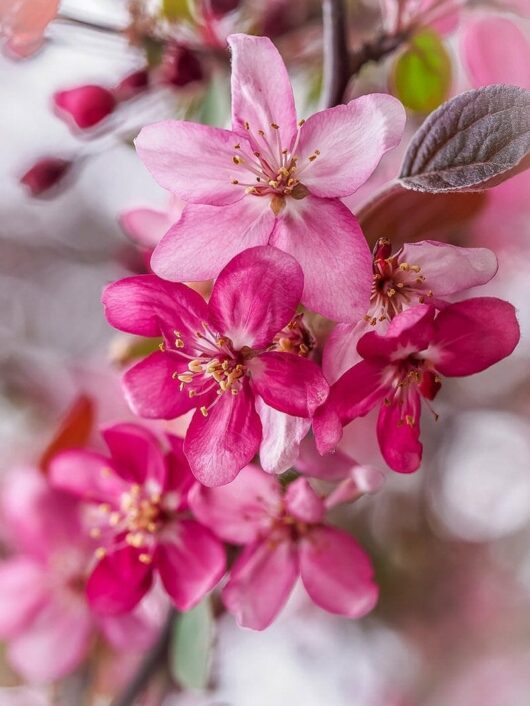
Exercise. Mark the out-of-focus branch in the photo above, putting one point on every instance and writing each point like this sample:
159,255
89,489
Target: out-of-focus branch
336,59
374,50
88,24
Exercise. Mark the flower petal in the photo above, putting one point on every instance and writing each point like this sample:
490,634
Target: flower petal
22,594
119,582
337,573
335,467
303,503
87,475
192,161
289,383
325,237
282,434
340,352
146,226
348,141
206,238
411,330
190,563
255,296
241,510
261,92
137,454
260,582
399,440
220,445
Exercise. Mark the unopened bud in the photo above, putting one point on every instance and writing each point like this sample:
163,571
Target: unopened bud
132,85
86,105
180,66
44,174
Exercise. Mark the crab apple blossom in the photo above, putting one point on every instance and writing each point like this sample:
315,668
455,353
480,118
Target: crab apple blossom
141,520
85,106
285,537
273,180
44,614
405,364
427,271
221,359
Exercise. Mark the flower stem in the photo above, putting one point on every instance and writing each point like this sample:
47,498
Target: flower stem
336,59
375,50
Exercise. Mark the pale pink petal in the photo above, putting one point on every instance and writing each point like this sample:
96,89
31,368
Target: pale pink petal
399,440
337,573
261,92
348,141
241,510
449,269
288,382
336,466
303,503
23,592
146,226
139,629
138,305
255,296
87,475
260,582
23,24
137,453
57,641
191,561
206,238
340,351
220,445
192,161
119,582
324,236
363,480
282,434
474,334
495,50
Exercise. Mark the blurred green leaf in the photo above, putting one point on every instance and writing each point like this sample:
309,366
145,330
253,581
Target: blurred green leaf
191,644
175,10
215,105
422,74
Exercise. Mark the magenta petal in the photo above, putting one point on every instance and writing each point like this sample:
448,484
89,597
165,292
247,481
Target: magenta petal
180,479
303,503
324,236
282,434
398,440
205,238
137,454
192,161
239,511
56,642
119,582
349,141
255,296
357,391
87,475
411,329
473,334
151,391
220,445
340,352
260,583
289,383
139,304
261,91
190,563
22,593
337,573
449,269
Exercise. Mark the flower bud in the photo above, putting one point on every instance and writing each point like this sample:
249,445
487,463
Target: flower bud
180,66
219,8
44,174
132,85
85,105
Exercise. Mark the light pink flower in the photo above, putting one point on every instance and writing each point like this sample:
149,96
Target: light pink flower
401,367
285,537
418,272
22,24
140,496
146,226
219,357
411,15
44,614
273,181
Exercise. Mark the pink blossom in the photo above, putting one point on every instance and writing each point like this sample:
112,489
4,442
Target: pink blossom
140,496
406,364
22,24
45,174
417,272
411,15
85,106
271,180
44,614
219,358
146,226
285,537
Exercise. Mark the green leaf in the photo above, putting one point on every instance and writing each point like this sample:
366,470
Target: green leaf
175,10
422,74
190,651
215,106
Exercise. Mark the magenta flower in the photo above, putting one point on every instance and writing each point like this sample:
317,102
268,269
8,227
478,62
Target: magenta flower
405,364
421,272
219,357
285,537
44,614
273,181
141,520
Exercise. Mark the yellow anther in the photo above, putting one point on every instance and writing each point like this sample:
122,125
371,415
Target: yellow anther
135,489
236,159
145,558
185,377
95,532
114,519
100,552
409,420
204,411
273,183
390,292
162,346
179,343
195,366
301,122
251,190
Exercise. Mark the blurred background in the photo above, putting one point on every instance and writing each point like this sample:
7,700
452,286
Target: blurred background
78,210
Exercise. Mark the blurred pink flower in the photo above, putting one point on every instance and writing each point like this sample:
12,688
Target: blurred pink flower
85,106
44,614
271,181
46,173
285,537
22,24
217,357
146,226
428,270
405,364
141,496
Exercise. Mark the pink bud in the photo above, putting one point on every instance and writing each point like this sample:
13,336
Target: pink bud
44,174
132,85
180,66
85,105
223,7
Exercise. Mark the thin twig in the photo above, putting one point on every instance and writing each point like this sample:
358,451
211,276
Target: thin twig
336,60
88,24
374,50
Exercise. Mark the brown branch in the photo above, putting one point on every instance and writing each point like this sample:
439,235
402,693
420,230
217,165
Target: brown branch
336,59
374,50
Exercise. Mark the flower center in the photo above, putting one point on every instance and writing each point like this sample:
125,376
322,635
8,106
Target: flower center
295,338
411,378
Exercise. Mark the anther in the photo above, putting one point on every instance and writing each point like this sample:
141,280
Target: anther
204,411
145,559
236,159
100,552
274,126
